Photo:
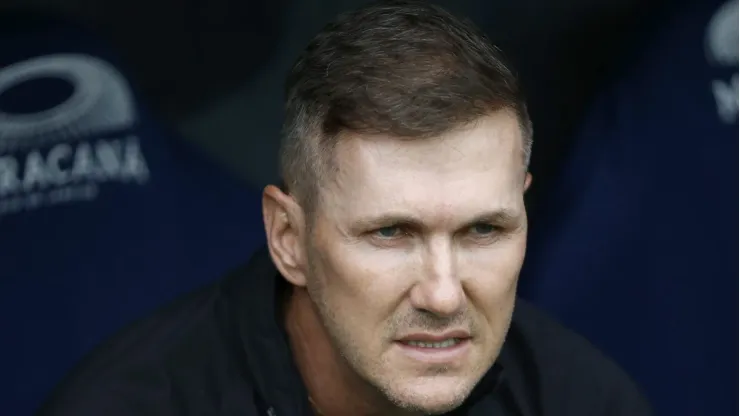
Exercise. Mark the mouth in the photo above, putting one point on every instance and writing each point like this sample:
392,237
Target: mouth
447,343
446,349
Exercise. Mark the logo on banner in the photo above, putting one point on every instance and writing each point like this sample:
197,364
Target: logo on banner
722,51
65,153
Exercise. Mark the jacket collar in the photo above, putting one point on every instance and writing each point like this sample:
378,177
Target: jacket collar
254,295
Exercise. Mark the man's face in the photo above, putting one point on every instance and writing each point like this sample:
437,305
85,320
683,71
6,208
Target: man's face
414,257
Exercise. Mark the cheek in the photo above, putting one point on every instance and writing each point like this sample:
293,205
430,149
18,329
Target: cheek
491,275
363,283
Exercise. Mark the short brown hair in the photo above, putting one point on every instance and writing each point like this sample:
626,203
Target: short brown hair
404,68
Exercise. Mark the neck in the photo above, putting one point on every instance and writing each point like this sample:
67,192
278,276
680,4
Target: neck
334,388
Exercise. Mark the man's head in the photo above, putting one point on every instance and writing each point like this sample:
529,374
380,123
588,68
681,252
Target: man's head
404,155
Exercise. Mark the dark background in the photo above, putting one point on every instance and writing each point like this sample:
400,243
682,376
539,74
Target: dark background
214,69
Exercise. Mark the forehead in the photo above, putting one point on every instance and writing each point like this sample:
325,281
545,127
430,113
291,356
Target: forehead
476,168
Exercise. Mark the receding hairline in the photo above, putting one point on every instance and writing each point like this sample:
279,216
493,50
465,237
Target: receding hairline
325,167
354,81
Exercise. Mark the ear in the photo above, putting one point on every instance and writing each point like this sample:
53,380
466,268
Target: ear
285,226
527,181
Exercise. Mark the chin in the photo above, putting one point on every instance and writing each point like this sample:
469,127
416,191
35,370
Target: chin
433,395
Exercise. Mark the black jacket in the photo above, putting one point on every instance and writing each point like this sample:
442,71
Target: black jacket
222,351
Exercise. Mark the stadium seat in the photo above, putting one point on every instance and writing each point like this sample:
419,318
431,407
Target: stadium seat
105,214
636,246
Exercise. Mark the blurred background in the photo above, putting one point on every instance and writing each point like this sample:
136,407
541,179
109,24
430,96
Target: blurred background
135,137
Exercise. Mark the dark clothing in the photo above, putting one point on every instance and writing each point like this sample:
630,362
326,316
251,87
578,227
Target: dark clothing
223,351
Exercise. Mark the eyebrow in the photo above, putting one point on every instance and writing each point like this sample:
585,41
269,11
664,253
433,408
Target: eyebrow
502,217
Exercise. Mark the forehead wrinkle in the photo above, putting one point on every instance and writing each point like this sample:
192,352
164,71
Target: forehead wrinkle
383,169
486,144
443,213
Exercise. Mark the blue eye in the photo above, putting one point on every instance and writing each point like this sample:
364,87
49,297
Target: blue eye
388,232
483,229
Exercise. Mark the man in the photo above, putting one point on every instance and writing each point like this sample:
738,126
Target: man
388,283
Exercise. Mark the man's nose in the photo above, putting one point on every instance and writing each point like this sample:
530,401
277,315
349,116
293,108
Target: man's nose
439,290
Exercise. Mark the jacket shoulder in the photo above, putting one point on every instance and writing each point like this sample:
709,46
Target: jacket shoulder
174,362
572,377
